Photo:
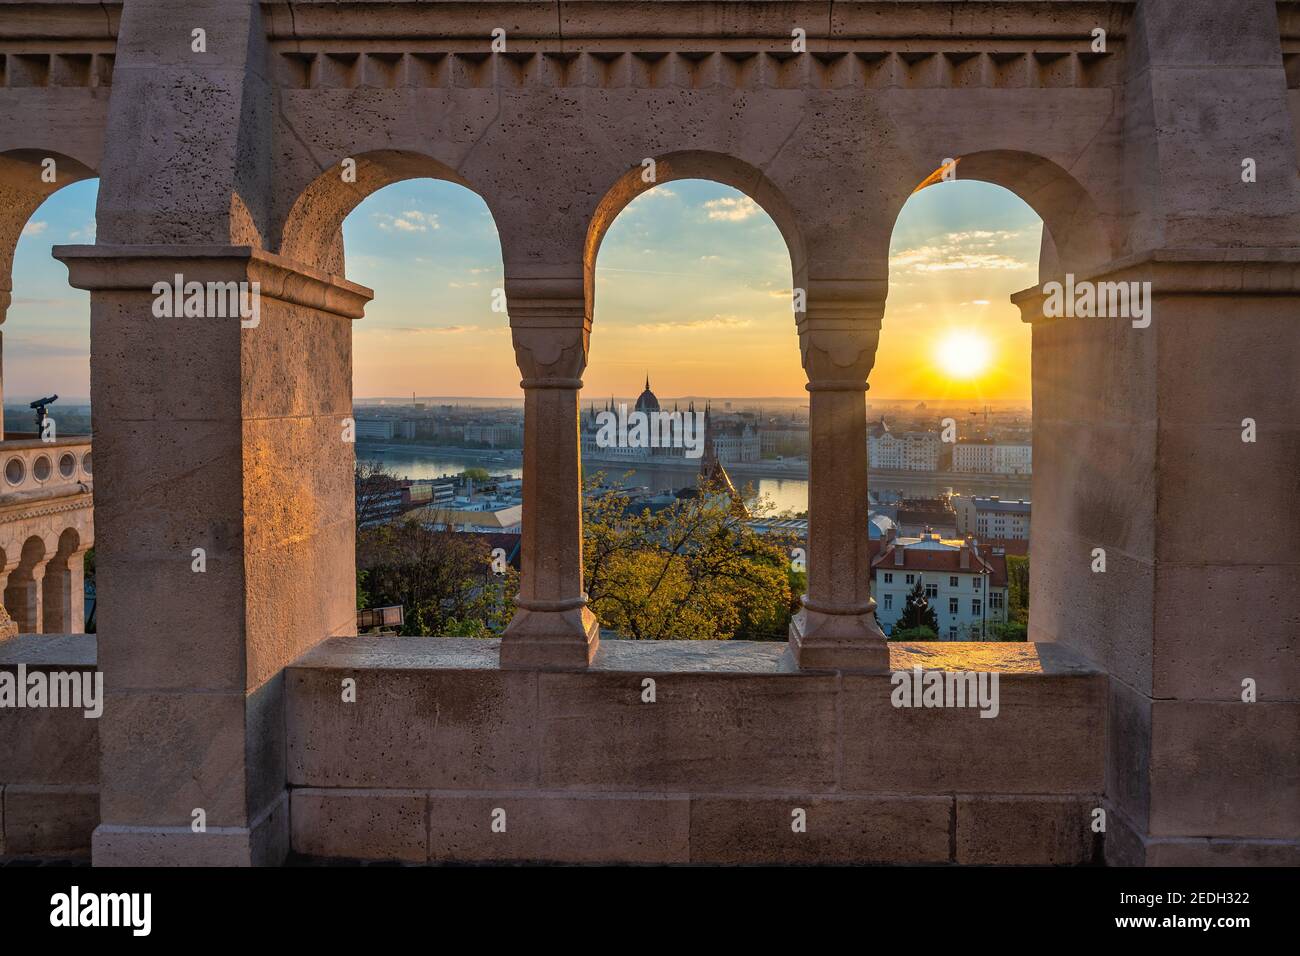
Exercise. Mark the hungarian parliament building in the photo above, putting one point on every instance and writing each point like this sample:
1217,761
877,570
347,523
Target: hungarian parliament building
734,439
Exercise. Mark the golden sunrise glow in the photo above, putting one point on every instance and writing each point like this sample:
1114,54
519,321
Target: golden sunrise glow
963,354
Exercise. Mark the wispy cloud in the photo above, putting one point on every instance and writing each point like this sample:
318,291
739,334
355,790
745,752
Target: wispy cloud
426,330
731,208
412,220
974,250
35,227
697,325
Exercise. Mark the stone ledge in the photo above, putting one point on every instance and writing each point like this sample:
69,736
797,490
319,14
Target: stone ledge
50,650
677,657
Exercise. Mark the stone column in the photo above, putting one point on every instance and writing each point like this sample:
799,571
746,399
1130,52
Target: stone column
838,335
24,597
1138,434
224,540
551,327
63,592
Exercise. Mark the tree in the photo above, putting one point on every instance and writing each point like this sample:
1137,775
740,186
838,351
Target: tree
475,474
1018,588
692,570
913,634
442,578
1008,631
917,611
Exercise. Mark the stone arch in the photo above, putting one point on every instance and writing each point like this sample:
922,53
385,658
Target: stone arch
22,595
311,233
21,193
1076,234
695,164
62,589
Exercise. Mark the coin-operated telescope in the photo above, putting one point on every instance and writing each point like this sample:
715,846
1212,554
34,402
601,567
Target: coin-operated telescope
39,405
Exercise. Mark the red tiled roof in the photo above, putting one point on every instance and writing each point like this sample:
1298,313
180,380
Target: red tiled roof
945,562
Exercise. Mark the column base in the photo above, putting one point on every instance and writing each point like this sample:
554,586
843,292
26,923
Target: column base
550,640
265,843
838,642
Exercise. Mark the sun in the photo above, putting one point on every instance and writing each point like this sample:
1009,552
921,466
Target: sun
963,355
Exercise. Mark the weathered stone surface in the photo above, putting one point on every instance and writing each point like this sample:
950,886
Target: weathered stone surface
360,824
559,827
1048,737
413,728
1227,769
44,820
1031,830
704,731
838,829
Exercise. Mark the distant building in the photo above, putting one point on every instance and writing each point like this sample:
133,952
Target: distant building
909,451
381,429
495,434
991,517
783,438
993,458
915,516
964,582
733,441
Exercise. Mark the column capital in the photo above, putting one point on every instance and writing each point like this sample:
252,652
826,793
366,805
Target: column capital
550,327
839,330
1249,271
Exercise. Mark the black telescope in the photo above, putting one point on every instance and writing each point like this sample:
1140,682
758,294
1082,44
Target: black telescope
39,405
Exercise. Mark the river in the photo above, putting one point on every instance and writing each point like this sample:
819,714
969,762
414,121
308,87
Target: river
785,494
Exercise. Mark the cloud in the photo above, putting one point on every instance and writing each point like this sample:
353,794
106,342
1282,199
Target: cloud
731,208
426,330
23,300
35,228
974,250
697,325
86,232
412,220
39,347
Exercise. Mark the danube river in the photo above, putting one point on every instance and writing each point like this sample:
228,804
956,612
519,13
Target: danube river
784,493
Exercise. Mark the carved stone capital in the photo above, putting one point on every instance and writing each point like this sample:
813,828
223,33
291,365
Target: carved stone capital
839,331
550,326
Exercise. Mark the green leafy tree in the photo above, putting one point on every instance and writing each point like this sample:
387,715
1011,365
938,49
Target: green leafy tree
693,570
442,579
1008,631
917,611
913,634
1018,588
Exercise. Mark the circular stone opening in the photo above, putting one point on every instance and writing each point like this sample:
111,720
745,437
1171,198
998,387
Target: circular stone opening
15,471
68,465
42,468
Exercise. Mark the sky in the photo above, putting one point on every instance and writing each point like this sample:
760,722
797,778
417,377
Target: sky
692,286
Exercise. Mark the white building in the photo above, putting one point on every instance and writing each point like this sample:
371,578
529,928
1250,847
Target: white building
380,428
991,517
964,583
993,458
908,451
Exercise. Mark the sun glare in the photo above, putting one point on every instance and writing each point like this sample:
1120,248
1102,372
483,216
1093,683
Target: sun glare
963,355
